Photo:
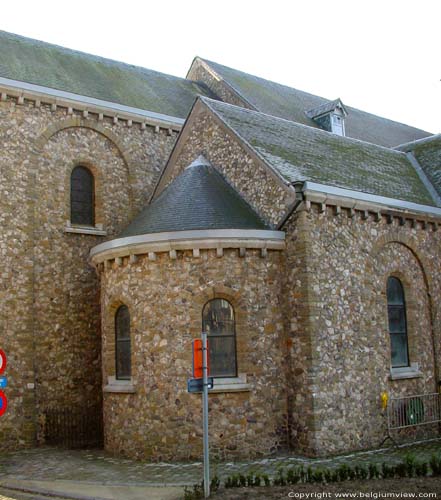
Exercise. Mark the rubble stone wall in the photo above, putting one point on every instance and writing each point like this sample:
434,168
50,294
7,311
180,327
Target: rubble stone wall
49,294
200,73
341,346
261,189
161,420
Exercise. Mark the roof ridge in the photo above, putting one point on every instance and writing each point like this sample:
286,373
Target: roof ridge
306,94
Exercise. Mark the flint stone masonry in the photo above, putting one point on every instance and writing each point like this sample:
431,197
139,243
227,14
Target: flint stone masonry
49,300
337,270
206,135
161,421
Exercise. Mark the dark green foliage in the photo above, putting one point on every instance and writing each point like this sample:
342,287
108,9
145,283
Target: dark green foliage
387,471
421,469
435,465
294,475
361,472
317,476
214,484
374,473
242,480
266,480
194,493
280,479
343,472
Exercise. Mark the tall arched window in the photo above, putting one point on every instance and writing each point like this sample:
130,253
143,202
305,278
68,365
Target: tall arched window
396,309
218,321
82,197
122,344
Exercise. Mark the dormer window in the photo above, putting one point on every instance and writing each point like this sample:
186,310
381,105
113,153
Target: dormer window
330,117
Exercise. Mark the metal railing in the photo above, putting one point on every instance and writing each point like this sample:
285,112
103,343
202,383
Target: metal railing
411,411
73,428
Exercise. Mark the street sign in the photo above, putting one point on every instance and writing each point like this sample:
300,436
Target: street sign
3,403
198,359
2,361
197,384
3,382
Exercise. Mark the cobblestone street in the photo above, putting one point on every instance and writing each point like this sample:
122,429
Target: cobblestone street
79,472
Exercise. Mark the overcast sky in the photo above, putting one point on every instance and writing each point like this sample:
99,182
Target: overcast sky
380,56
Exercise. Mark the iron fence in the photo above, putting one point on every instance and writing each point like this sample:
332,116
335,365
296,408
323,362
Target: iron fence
73,428
411,411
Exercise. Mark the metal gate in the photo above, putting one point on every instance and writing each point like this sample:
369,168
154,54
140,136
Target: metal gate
410,411
73,428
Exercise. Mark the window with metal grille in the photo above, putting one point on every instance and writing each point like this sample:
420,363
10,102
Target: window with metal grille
219,323
396,309
122,343
82,197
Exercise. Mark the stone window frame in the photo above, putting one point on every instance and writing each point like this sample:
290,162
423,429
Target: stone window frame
413,370
230,335
224,384
112,384
98,228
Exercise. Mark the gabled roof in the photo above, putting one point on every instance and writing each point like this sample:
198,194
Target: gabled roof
428,154
300,153
199,198
292,104
325,108
47,65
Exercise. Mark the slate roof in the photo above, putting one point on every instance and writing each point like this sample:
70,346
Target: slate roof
327,107
292,104
428,154
199,198
48,65
300,153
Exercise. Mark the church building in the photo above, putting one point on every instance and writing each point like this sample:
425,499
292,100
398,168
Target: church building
139,209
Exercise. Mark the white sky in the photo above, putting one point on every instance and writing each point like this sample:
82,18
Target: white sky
380,56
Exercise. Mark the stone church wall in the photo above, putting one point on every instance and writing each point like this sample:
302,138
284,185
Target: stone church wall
339,329
199,72
209,137
49,294
161,420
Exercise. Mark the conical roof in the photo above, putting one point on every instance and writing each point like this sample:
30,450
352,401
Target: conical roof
198,199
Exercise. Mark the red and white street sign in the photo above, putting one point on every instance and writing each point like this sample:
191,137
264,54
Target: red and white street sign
3,403
2,361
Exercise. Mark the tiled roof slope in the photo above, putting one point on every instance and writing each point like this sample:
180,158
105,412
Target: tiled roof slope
48,65
197,199
279,100
300,153
428,154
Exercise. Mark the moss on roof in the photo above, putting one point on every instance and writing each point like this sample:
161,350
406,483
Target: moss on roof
428,154
299,153
292,104
48,65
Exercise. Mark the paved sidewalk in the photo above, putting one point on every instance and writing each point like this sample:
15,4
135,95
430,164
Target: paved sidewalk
94,474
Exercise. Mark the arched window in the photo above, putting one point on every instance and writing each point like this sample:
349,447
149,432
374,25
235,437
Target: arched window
82,197
218,321
122,343
396,309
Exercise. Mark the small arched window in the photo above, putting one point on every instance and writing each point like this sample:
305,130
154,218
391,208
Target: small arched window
122,344
396,309
82,197
218,321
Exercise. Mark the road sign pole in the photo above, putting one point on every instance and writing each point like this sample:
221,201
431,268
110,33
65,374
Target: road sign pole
205,415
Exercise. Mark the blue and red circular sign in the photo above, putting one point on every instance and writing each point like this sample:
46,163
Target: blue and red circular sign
3,400
2,361
3,403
